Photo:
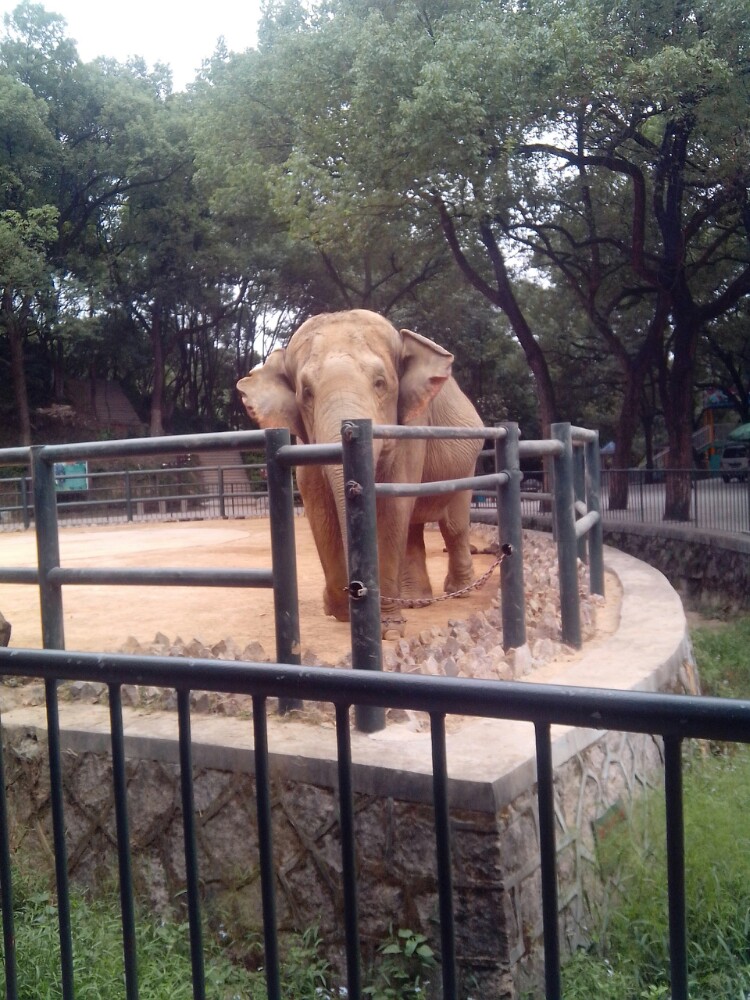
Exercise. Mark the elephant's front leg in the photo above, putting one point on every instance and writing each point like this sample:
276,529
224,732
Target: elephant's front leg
323,518
454,527
415,581
393,516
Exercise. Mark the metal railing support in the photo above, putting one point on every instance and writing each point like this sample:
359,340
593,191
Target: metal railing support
567,543
48,548
579,490
594,505
283,555
362,556
548,860
348,854
6,894
510,532
678,968
120,787
265,849
190,840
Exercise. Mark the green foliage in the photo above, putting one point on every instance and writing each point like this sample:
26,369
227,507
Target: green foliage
400,970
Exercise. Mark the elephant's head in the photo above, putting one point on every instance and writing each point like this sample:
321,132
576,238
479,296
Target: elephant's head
345,365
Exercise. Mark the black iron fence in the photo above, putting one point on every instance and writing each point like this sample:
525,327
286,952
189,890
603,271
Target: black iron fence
173,493
675,718
715,504
575,502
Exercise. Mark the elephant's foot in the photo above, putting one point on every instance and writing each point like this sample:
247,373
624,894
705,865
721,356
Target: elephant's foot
392,626
336,605
455,584
413,591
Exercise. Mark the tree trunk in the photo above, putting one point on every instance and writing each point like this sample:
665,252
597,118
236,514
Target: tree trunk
676,385
156,427
17,368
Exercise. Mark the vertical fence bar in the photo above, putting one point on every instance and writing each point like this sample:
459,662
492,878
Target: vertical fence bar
567,543
348,853
25,502
220,488
510,531
58,835
53,637
579,493
48,548
362,554
120,788
284,557
548,850
128,497
443,847
6,894
265,849
594,503
675,867
191,847
641,477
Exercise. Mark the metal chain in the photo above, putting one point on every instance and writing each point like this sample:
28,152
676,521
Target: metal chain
423,602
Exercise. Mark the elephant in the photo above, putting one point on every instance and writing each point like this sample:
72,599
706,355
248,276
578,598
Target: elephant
355,364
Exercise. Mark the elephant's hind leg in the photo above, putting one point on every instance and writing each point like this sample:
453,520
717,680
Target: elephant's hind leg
454,527
415,583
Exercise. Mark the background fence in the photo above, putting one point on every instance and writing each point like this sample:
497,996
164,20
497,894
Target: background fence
238,490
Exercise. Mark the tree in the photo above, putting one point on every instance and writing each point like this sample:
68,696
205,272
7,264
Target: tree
606,143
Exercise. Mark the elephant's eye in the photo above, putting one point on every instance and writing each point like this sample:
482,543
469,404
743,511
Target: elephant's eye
379,383
307,393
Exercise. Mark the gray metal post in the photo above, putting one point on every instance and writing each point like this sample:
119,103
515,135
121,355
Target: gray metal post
48,548
579,489
594,503
362,554
567,543
510,532
284,556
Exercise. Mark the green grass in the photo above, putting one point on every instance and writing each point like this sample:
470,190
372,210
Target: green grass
629,960
401,970
164,969
723,657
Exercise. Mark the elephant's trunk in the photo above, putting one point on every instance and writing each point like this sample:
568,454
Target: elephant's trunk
327,429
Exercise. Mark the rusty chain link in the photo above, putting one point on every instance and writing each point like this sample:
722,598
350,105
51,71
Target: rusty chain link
423,602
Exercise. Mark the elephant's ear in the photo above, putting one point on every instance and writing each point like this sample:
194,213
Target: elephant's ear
425,368
268,395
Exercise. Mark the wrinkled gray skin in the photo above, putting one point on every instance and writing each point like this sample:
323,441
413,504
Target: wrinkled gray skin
354,364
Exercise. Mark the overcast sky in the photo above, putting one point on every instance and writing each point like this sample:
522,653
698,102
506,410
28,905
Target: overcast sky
177,32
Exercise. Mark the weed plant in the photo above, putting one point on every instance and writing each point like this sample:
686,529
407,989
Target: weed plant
629,959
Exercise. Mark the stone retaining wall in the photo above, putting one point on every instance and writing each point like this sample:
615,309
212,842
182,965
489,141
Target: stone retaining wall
708,569
495,834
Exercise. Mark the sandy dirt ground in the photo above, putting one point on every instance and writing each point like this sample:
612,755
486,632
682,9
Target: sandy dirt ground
102,618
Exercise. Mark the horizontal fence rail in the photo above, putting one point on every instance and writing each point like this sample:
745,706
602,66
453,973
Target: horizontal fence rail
674,717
